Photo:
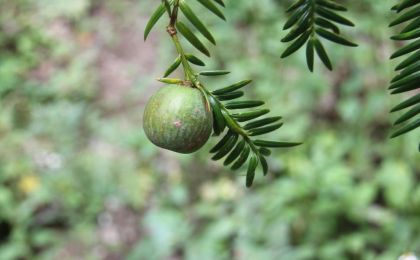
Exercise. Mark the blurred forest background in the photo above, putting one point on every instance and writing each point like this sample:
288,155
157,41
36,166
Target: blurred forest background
79,179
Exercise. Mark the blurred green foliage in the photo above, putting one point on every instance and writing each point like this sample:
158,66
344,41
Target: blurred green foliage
79,180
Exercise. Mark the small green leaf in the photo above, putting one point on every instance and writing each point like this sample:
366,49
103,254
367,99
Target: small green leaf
252,166
296,44
173,67
274,144
302,25
310,55
221,142
407,36
334,37
407,49
407,128
194,60
265,130
408,103
297,4
408,61
157,14
186,32
242,159
331,5
407,71
219,123
405,4
413,79
327,24
232,88
170,80
226,148
407,87
412,25
408,115
265,151
246,116
394,8
322,54
235,153
220,2
262,122
186,10
330,15
243,104
230,96
264,165
210,6
295,17
214,72
414,13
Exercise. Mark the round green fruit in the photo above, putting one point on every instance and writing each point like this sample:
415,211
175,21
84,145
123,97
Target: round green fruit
178,118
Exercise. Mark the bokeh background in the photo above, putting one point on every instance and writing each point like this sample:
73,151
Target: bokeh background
79,179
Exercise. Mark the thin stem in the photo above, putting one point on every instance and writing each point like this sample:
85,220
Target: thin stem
188,71
174,15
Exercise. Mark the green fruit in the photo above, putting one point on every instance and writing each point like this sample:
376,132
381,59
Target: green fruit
178,118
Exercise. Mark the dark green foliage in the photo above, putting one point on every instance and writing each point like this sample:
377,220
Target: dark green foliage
173,67
192,17
227,146
232,87
219,123
158,13
214,73
189,35
211,7
186,10
246,149
245,116
252,166
262,122
185,30
230,95
194,60
236,146
408,79
235,153
311,20
244,104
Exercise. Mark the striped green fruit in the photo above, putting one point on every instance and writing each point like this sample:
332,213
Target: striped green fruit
178,118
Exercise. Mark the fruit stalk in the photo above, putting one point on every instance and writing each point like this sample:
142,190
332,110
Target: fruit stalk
188,71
